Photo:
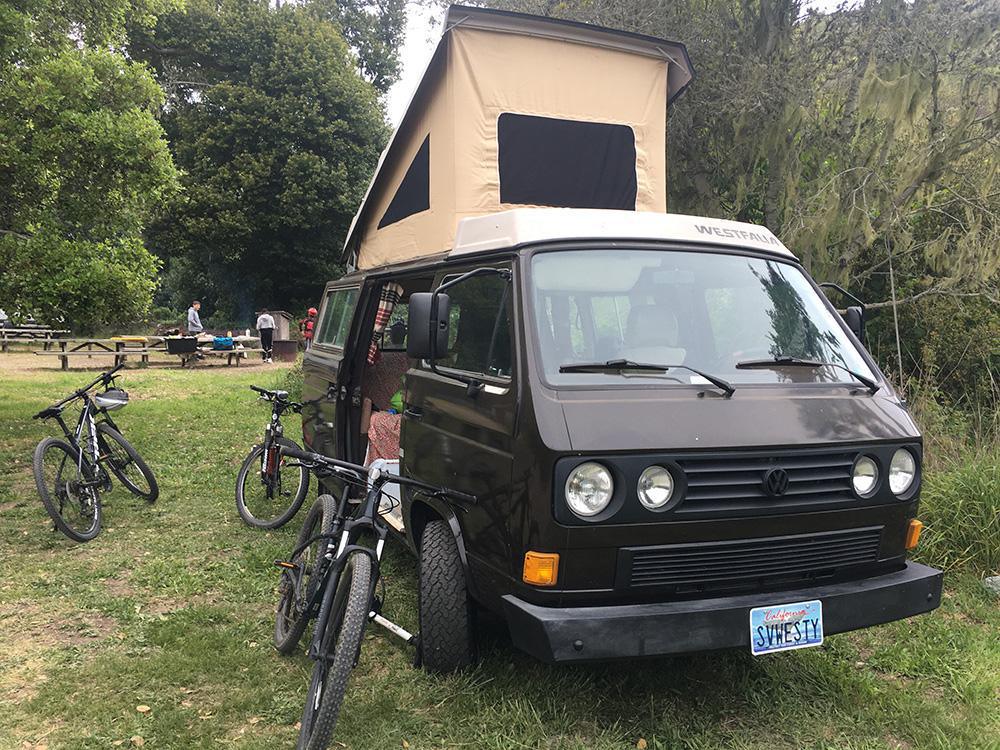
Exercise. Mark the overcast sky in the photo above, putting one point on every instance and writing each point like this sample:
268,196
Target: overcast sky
423,29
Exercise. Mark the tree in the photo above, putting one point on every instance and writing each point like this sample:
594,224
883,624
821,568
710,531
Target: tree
277,135
82,164
865,138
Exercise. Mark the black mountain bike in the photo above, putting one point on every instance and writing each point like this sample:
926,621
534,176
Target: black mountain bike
72,472
332,576
269,492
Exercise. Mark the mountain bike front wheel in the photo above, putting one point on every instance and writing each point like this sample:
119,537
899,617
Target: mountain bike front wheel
126,464
69,496
298,585
269,492
345,628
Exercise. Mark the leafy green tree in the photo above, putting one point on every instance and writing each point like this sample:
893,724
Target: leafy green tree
277,134
82,163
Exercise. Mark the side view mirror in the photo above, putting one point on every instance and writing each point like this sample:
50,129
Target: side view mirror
427,325
854,316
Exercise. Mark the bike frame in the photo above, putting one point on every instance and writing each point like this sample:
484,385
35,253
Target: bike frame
347,532
86,421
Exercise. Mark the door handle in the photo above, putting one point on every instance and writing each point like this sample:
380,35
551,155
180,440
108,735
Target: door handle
413,412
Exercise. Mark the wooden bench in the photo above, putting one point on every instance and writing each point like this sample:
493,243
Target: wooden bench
228,354
120,355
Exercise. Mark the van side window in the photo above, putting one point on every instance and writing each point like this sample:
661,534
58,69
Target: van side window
338,310
480,336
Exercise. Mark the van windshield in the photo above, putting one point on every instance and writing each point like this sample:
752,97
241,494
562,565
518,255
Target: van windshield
707,311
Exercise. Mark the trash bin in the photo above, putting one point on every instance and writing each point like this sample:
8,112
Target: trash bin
285,350
181,344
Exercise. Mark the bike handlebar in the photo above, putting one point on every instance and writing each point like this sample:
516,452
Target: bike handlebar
103,379
362,473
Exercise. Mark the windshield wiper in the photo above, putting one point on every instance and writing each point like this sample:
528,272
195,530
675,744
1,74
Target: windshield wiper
782,361
620,365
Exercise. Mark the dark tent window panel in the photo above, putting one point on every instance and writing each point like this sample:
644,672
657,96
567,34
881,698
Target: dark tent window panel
414,192
550,162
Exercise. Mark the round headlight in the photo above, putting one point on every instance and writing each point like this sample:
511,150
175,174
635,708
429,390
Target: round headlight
865,476
589,489
656,487
902,471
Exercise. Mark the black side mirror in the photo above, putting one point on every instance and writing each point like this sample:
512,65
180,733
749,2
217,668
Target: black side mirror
854,316
428,325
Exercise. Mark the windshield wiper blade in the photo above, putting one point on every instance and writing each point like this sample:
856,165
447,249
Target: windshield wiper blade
782,361
620,365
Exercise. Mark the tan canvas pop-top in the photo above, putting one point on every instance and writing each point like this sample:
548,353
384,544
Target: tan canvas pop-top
518,110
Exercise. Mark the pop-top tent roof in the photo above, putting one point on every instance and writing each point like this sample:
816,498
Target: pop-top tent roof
516,110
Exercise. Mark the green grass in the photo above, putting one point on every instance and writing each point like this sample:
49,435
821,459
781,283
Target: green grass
170,608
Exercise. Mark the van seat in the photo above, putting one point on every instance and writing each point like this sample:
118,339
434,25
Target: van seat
380,382
384,378
651,335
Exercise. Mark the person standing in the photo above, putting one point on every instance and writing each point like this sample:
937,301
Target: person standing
194,320
265,327
307,325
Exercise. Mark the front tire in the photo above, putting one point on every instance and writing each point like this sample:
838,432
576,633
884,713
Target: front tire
345,628
71,500
296,587
126,464
446,620
267,507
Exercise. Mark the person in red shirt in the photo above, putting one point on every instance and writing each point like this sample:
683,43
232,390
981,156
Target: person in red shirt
307,325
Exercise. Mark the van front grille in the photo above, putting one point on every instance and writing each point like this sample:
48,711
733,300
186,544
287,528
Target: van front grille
736,481
749,563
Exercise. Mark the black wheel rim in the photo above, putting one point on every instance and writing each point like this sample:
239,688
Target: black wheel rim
267,496
73,498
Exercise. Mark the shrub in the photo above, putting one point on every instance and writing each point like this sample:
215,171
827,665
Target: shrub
292,381
960,509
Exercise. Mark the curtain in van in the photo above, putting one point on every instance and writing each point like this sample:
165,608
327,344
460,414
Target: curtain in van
388,298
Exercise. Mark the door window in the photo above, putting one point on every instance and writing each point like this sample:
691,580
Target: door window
480,336
336,320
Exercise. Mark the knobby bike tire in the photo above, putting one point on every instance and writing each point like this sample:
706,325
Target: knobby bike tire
329,683
250,472
50,495
118,464
289,622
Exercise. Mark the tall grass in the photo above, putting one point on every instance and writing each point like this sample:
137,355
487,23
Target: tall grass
960,504
960,508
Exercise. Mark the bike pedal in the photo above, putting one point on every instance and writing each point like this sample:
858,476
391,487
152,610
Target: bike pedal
286,565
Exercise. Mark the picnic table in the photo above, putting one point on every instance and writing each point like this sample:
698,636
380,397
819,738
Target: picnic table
244,345
120,347
30,332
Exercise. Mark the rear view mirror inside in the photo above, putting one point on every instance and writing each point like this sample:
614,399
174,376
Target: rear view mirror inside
428,317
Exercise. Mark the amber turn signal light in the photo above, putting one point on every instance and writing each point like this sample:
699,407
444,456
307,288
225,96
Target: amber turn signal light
913,533
541,568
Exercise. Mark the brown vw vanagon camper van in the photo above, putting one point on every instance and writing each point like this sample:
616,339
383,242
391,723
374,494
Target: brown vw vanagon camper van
675,441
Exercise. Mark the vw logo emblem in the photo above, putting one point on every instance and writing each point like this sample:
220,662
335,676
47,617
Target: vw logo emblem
775,482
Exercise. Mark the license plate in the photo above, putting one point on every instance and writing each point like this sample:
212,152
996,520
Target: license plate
785,627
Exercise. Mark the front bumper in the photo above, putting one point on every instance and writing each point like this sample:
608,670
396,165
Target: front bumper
567,634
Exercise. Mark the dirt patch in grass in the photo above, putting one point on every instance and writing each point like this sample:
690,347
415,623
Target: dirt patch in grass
33,634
